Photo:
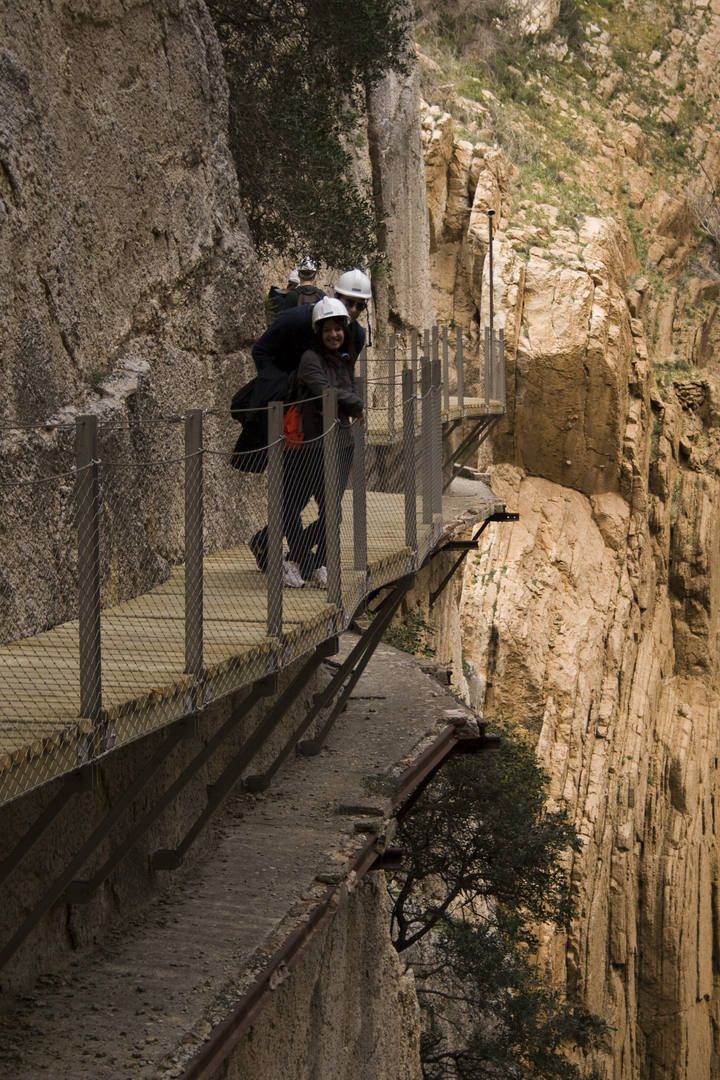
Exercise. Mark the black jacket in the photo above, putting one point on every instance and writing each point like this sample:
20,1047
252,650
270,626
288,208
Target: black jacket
284,342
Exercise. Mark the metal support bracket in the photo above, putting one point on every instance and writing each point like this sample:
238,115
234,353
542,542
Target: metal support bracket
351,668
172,858
80,780
499,516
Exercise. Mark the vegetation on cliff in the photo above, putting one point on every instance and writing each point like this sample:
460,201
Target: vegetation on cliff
298,74
562,100
484,867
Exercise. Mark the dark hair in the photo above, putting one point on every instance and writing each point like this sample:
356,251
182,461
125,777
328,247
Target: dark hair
346,347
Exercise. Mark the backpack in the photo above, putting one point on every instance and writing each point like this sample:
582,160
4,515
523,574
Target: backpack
274,302
303,294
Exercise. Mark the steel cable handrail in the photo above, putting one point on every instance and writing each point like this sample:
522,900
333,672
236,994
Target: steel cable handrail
182,568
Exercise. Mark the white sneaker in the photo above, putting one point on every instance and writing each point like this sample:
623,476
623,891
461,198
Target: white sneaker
292,578
318,578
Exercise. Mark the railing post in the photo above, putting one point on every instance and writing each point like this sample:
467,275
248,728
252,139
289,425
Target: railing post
194,542
437,455
487,368
274,571
446,371
427,441
391,385
332,496
414,356
88,523
409,479
362,365
502,389
359,487
460,367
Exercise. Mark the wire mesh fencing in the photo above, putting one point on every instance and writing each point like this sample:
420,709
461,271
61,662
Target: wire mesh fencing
146,578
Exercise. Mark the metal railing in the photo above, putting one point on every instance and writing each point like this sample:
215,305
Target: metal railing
172,604
469,389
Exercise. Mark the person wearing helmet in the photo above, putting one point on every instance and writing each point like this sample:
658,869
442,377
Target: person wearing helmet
284,342
275,298
277,354
306,292
328,364
354,289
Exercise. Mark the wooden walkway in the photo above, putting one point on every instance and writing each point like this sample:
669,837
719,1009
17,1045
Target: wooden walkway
144,682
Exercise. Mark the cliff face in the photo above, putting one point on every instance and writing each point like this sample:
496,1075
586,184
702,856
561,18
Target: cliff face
349,1009
593,621
128,284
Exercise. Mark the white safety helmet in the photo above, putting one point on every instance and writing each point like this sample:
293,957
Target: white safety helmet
354,283
329,308
293,277
308,266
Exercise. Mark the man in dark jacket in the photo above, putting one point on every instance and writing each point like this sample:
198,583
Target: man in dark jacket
277,355
284,342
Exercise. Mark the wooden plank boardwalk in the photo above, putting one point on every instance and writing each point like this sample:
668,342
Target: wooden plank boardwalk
143,678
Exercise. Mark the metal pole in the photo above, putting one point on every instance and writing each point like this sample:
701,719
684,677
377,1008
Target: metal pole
194,543
416,370
460,366
436,459
274,571
359,488
487,367
391,385
502,391
362,362
426,443
332,496
490,216
87,489
410,485
446,371
491,385
414,356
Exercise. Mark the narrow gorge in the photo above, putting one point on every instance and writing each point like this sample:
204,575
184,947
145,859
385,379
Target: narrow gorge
131,283
593,622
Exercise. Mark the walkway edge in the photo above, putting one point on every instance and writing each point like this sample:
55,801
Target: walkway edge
226,1035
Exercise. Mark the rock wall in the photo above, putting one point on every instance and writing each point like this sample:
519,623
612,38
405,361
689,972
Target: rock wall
347,1011
402,291
128,283
593,621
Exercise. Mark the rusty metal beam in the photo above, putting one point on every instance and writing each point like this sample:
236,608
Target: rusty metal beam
225,1036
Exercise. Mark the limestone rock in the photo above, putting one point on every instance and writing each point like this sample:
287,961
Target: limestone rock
394,137
127,279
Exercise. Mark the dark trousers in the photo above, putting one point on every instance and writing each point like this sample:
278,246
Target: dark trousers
310,547
304,479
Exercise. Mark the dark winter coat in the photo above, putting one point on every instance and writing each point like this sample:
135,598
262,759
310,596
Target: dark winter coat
284,342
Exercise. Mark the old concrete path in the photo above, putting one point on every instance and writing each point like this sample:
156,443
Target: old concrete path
139,1007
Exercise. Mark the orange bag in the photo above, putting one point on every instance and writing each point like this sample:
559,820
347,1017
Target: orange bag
292,427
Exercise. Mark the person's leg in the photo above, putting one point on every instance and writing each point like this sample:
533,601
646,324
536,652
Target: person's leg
295,498
313,538
258,544
345,457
